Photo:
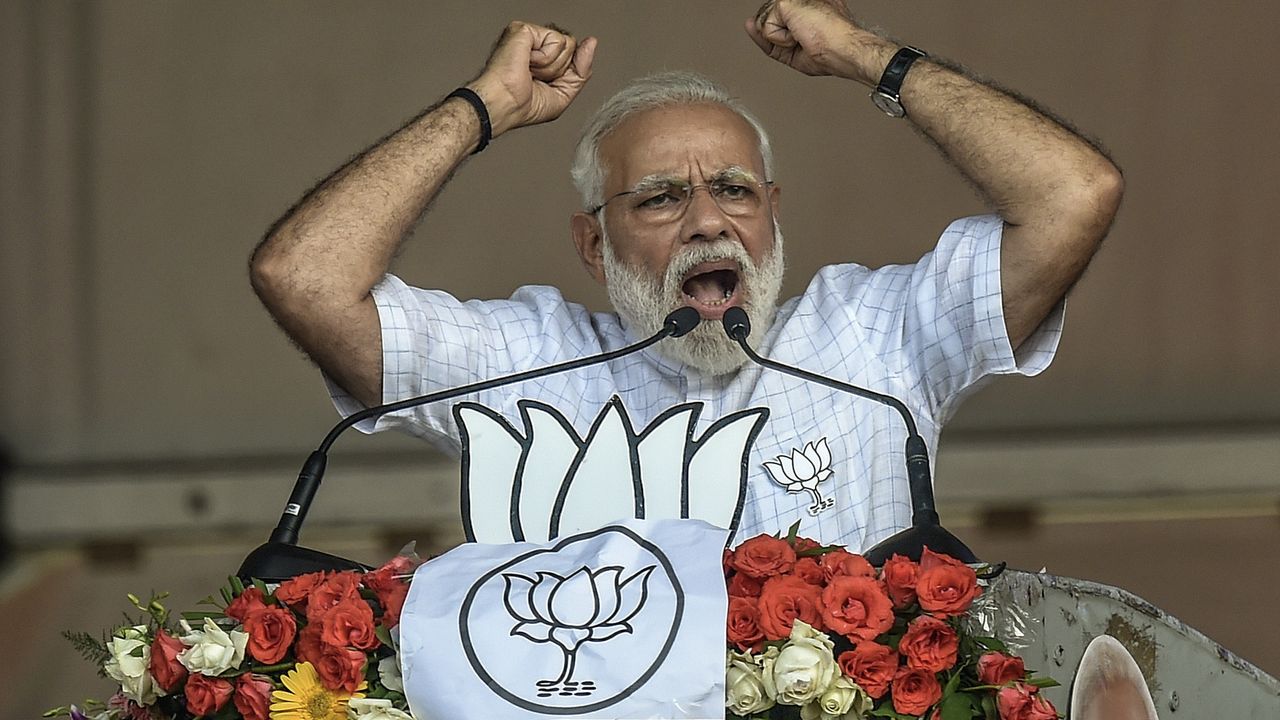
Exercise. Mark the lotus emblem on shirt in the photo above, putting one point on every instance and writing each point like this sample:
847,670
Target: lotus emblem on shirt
802,471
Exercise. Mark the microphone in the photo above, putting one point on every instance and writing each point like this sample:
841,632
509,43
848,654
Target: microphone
281,558
925,529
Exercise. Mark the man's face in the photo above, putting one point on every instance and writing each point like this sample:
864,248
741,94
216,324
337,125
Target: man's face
688,220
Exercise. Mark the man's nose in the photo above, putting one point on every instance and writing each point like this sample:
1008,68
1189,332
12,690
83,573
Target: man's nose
703,218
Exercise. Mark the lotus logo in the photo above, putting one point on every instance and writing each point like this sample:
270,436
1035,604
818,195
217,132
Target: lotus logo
802,471
547,481
587,606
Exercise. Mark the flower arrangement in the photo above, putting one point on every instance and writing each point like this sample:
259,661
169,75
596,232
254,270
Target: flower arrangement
818,630
315,647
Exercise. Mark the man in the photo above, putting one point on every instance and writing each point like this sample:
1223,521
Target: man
927,333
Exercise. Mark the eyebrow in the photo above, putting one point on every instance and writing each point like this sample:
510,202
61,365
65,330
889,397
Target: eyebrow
661,180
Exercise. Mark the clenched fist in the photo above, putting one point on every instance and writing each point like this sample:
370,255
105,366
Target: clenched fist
817,37
532,75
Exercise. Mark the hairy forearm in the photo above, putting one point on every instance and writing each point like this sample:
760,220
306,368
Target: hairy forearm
1028,165
338,241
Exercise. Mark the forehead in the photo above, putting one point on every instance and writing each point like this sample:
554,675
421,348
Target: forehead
683,141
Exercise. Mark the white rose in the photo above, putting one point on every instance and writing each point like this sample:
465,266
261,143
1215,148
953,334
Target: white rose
843,700
130,664
805,667
212,650
374,709
389,673
745,693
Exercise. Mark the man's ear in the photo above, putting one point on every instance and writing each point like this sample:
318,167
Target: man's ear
775,198
588,237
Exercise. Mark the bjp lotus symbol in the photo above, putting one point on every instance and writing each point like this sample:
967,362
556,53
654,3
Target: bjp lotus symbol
802,471
586,606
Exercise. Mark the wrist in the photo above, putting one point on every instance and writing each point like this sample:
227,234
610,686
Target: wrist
498,101
866,57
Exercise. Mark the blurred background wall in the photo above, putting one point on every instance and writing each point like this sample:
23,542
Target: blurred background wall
153,418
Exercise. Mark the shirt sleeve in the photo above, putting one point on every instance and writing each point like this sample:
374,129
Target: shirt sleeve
938,325
432,341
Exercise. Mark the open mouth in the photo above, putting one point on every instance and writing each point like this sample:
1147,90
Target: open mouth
712,287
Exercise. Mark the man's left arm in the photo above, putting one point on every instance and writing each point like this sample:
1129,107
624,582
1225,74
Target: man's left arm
1055,192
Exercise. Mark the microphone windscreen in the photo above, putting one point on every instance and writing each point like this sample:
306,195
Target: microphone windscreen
682,321
736,323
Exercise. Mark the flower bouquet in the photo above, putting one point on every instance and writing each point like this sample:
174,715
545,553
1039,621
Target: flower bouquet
316,647
818,633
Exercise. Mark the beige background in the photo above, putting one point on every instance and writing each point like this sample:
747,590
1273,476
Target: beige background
155,416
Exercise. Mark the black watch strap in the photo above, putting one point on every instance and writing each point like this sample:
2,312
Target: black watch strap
890,85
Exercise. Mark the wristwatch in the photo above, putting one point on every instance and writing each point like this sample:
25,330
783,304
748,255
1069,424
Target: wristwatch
886,96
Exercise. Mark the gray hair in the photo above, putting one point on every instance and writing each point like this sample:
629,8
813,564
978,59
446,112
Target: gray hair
646,93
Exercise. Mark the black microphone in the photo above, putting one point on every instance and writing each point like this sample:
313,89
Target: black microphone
925,529
280,558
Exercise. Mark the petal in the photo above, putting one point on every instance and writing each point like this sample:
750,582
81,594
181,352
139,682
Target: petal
609,591
823,474
518,597
535,631
775,472
634,591
541,600
788,467
604,632
574,602
824,454
804,467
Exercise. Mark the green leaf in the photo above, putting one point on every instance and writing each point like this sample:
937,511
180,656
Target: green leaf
959,706
262,588
226,595
792,532
952,683
991,643
383,634
989,707
237,585
1043,682
200,615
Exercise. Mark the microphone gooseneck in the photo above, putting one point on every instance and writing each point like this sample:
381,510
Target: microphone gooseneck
280,557
926,528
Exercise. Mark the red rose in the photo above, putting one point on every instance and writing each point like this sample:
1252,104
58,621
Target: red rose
253,696
900,575
946,586
271,631
763,556
801,544
309,645
998,669
388,584
206,695
856,607
785,599
807,570
726,561
929,644
842,562
350,622
164,666
400,565
1023,702
248,601
340,668
743,585
743,623
870,665
331,591
295,591
914,690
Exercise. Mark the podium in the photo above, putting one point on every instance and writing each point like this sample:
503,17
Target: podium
1049,620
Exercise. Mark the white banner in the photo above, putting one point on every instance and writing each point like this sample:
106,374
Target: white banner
623,622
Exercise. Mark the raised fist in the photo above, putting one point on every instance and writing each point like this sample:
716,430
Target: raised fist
532,75
816,37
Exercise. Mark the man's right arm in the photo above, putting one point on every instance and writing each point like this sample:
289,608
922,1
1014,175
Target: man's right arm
318,264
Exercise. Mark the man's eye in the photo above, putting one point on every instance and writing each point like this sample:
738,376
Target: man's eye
731,191
659,200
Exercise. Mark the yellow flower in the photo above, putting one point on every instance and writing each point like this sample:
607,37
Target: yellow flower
307,699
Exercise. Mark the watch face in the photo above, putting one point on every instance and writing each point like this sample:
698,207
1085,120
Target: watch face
888,104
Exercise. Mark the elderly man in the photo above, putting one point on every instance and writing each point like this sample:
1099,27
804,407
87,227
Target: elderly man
986,301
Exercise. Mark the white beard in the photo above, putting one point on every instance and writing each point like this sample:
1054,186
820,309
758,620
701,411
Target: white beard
643,300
